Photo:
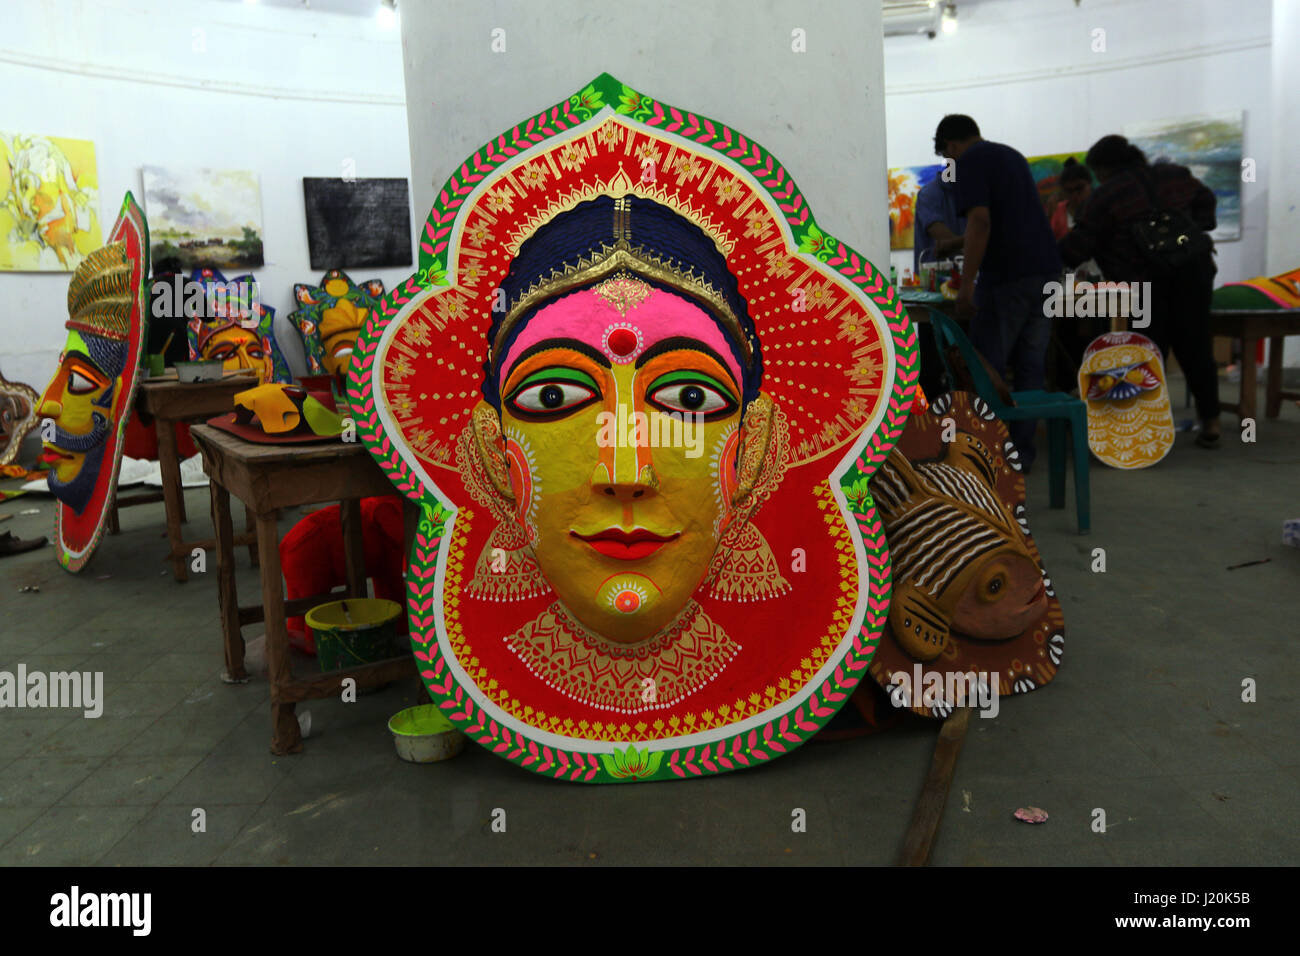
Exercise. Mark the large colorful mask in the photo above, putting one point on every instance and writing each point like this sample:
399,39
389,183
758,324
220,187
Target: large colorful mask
89,399
17,417
239,330
330,317
630,386
1122,382
970,593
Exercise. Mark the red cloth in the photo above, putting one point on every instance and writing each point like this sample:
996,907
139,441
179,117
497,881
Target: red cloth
142,440
311,558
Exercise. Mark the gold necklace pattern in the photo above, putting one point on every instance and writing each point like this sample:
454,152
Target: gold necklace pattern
649,675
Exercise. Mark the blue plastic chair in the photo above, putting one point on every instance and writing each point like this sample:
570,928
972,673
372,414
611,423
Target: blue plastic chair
1060,410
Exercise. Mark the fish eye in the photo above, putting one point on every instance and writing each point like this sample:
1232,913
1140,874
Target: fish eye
994,586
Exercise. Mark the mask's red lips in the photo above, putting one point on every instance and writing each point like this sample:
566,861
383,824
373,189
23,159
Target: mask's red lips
50,456
626,545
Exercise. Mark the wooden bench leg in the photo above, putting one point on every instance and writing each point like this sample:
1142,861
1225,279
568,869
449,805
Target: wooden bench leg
1249,378
114,526
249,525
173,498
227,595
354,550
286,735
1273,384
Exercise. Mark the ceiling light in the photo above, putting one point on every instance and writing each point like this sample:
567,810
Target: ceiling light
948,22
387,14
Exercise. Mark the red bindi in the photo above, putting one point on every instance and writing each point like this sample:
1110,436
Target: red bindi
622,341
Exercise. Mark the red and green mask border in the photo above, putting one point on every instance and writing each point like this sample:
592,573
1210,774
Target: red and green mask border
805,714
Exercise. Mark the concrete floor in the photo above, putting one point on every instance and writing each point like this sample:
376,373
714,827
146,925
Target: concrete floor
1145,720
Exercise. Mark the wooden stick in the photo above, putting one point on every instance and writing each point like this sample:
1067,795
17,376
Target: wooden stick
928,813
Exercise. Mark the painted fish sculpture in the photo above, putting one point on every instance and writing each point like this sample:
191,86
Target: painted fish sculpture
969,589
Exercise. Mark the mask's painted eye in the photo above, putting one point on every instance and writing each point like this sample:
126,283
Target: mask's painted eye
79,384
691,393
254,351
221,352
553,392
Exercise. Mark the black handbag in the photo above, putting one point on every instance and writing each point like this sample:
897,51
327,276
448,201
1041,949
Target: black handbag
1168,239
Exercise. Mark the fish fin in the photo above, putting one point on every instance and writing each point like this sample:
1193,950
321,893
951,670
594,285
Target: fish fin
971,454
920,626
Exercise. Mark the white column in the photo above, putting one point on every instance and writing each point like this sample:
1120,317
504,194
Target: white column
1284,183
820,112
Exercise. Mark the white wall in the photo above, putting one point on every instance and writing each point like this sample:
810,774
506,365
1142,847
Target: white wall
286,93
820,112
1026,71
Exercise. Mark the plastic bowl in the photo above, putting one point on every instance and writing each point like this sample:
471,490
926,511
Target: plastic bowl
423,735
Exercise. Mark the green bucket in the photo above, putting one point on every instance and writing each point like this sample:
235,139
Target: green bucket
355,632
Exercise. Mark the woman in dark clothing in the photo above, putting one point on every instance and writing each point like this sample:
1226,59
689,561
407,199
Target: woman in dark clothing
1180,302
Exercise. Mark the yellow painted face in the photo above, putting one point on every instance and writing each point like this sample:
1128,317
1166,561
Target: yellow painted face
236,347
622,475
73,398
340,325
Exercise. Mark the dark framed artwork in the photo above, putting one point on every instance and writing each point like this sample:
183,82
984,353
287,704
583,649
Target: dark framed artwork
357,222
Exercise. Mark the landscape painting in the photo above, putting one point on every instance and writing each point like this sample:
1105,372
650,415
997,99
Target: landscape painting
49,202
1211,146
203,217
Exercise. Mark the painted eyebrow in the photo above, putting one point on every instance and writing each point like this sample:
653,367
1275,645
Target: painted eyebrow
679,342
689,375
86,360
576,345
556,373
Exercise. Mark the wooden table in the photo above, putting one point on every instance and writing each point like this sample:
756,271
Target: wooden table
169,402
1251,325
266,478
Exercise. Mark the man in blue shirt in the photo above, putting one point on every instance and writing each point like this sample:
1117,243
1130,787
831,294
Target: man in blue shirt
1009,246
936,228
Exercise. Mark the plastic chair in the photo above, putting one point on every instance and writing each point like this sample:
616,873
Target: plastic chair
1061,411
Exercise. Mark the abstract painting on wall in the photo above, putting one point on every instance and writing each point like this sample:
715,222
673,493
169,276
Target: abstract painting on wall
49,203
904,183
205,218
357,222
1046,171
1211,147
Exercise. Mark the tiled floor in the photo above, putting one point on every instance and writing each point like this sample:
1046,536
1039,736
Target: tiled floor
1145,722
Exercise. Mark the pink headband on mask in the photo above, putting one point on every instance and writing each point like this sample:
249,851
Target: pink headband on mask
620,331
